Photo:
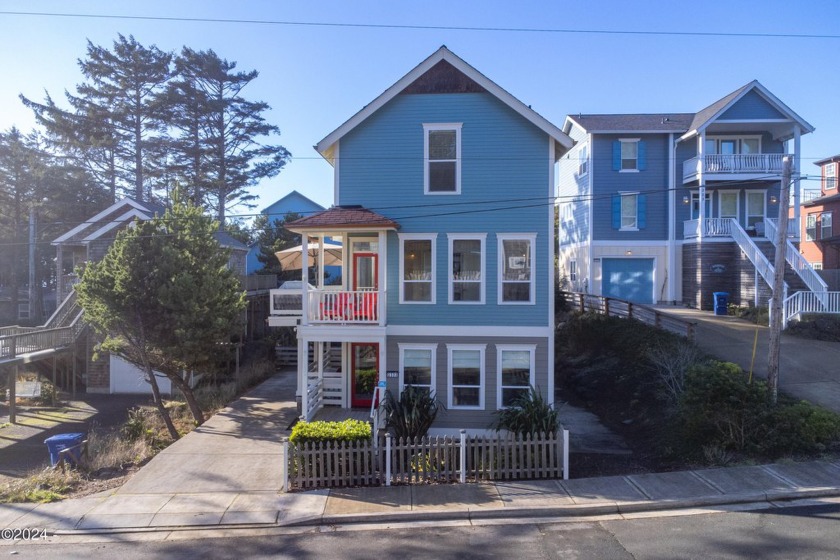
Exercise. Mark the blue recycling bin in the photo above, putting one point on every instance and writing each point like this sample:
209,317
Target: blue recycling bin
721,300
58,443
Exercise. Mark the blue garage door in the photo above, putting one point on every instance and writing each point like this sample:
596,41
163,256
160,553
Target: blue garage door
630,279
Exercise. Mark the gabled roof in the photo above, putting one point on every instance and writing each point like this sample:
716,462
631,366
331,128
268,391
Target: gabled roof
708,115
341,218
293,195
228,241
118,213
831,159
326,147
653,122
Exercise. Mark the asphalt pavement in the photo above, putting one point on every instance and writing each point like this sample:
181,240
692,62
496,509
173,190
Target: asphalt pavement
226,474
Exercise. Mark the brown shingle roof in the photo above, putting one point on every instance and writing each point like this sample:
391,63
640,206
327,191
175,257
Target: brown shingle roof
343,217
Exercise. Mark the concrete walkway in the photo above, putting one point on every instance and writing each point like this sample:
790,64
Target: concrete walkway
808,369
226,474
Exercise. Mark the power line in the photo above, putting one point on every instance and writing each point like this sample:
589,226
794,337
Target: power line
417,27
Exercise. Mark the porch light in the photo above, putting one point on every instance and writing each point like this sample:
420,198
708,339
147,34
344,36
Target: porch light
773,199
685,199
628,252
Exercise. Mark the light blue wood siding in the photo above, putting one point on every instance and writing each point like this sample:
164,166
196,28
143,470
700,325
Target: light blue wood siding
505,165
751,106
572,191
652,182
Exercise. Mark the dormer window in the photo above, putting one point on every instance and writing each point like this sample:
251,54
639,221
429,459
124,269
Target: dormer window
442,158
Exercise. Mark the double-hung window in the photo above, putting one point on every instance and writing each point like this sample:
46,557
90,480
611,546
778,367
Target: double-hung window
466,268
825,225
629,155
583,165
417,366
830,174
516,273
516,373
442,157
810,227
417,267
466,376
629,210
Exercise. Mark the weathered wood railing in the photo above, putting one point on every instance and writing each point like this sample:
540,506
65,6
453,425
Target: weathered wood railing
620,308
430,459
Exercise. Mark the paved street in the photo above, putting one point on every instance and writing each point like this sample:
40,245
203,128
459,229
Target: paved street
803,532
808,369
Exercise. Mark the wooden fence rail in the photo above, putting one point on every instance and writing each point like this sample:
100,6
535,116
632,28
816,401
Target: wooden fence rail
620,308
429,459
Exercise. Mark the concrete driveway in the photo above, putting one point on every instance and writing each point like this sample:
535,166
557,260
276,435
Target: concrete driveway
808,369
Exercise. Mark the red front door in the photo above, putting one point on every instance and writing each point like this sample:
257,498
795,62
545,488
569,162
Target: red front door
364,370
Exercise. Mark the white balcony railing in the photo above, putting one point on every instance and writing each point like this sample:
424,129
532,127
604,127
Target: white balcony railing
712,227
344,307
733,163
797,262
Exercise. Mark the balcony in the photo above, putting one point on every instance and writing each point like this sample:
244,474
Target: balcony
324,306
723,167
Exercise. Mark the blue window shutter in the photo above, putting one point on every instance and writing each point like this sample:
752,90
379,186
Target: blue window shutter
641,209
616,212
616,155
642,154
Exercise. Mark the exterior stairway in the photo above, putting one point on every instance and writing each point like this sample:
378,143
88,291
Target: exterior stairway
792,279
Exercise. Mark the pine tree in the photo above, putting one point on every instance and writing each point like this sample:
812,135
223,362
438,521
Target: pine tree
164,299
219,148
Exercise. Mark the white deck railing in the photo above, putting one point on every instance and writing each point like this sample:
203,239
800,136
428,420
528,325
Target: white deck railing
809,302
733,163
712,227
796,261
759,260
313,398
344,307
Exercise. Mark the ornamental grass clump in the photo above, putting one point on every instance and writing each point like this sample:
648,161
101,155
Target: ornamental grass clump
529,414
412,414
344,431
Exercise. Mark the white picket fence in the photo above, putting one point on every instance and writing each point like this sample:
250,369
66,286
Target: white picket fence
430,459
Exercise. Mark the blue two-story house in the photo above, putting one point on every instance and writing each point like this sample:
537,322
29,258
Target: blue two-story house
444,191
672,207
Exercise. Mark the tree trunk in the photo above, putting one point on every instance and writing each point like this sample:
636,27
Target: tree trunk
186,390
164,414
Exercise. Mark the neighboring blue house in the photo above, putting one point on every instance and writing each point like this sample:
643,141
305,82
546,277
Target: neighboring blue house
443,189
631,222
292,202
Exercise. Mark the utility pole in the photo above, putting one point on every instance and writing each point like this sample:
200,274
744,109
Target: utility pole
31,263
777,301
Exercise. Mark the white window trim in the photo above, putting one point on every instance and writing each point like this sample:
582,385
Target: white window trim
500,238
808,218
747,214
412,346
621,216
483,273
583,160
817,266
482,348
531,348
826,177
628,140
418,237
830,225
737,204
718,137
428,127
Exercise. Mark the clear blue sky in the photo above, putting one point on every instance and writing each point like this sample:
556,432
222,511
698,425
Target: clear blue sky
315,77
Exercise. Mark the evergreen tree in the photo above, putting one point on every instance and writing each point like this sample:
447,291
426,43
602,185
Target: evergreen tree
272,236
164,299
219,149
115,125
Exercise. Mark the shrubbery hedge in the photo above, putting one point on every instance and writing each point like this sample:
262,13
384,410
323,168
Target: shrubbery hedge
346,430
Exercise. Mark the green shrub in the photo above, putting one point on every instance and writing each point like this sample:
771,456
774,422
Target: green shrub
346,430
530,414
412,414
720,409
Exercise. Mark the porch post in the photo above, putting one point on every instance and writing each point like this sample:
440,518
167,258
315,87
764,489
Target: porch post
302,367
304,267
59,270
797,185
320,272
382,283
701,180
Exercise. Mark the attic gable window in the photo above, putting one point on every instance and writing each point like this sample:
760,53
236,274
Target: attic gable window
442,158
